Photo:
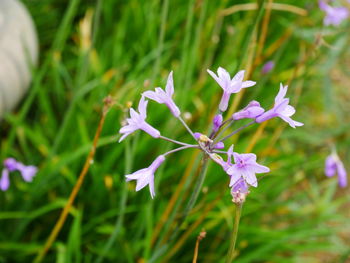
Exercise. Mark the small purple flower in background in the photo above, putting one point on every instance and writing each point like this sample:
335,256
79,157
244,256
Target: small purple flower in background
165,97
251,111
267,67
245,167
334,165
281,109
11,165
137,122
145,176
229,85
334,15
217,121
239,191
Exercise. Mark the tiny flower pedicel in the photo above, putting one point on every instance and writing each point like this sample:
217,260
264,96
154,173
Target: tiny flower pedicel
244,167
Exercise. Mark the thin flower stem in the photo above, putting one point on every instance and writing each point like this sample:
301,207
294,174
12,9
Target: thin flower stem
174,141
238,130
181,148
231,252
187,128
194,196
230,122
198,186
217,151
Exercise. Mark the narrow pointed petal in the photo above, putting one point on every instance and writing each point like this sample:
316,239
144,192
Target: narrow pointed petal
170,85
213,75
4,180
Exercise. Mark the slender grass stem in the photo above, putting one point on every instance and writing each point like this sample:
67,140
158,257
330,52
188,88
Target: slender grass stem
231,252
238,130
60,222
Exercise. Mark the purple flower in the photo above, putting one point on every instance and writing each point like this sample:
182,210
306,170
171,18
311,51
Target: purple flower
11,165
334,15
251,111
229,85
137,122
245,167
225,165
239,191
267,67
280,109
165,97
145,176
334,165
217,121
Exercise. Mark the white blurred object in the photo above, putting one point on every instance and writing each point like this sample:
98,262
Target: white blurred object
18,53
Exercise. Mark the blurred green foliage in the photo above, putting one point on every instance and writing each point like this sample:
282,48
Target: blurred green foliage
90,49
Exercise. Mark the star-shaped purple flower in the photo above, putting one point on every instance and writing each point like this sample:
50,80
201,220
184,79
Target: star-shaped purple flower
137,122
251,111
11,165
334,15
281,109
229,85
165,97
245,167
145,176
334,165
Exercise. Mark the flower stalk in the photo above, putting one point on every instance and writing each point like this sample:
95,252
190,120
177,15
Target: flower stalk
231,252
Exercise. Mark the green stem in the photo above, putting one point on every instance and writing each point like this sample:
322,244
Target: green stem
231,252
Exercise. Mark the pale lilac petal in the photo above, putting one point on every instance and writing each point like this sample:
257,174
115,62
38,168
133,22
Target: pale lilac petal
11,164
4,180
342,177
288,111
224,76
330,166
249,176
224,101
281,94
239,76
170,85
248,157
27,172
211,73
143,107
266,116
151,189
152,96
248,83
258,168
150,130
235,174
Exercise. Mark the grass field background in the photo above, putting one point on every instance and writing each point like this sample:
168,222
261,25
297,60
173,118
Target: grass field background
91,49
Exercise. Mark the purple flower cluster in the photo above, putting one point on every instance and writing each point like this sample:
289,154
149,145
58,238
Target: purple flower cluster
334,15
11,165
240,167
